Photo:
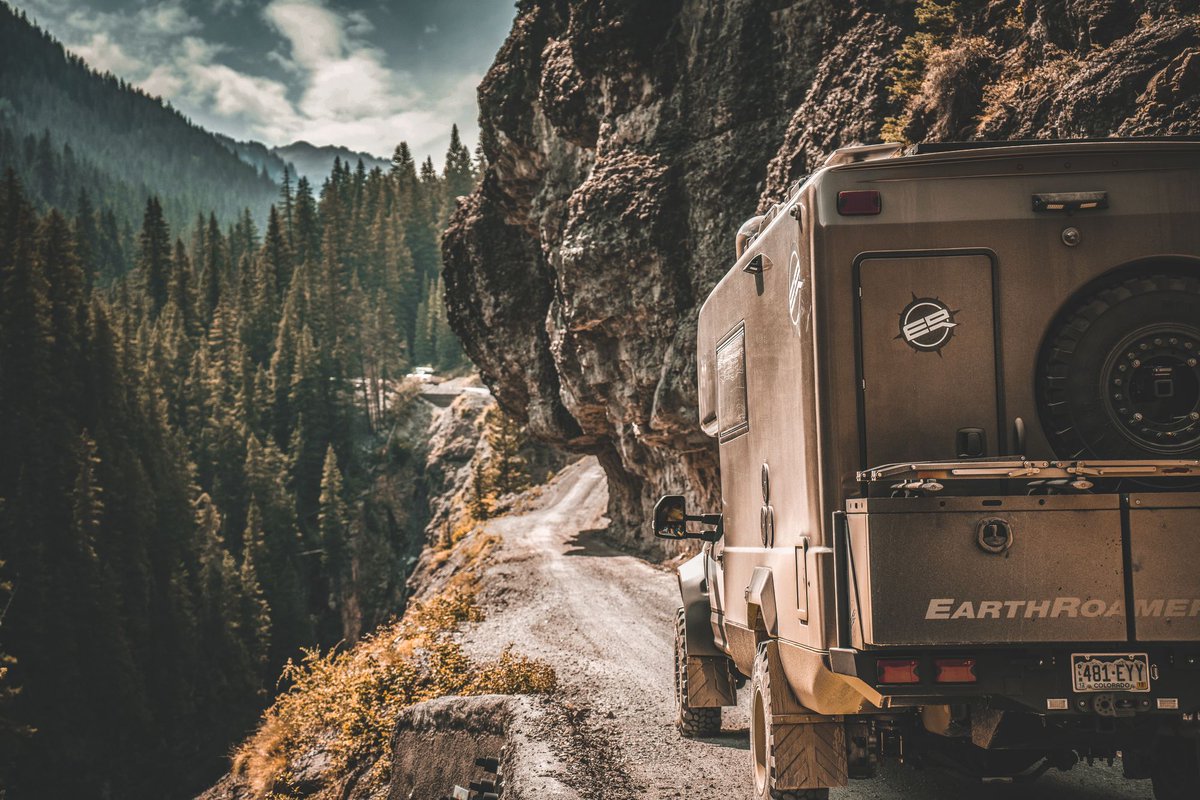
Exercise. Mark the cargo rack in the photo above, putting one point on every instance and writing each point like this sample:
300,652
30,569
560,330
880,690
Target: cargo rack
922,148
1021,468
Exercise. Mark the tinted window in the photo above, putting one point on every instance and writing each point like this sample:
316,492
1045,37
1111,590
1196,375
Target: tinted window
732,416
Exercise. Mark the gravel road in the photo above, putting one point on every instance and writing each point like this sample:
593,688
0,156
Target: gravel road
604,619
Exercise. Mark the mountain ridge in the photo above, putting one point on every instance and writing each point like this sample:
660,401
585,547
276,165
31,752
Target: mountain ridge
315,161
128,135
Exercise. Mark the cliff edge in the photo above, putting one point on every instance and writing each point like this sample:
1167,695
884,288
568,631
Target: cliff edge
627,140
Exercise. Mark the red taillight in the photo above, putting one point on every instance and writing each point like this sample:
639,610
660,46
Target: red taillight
859,203
954,670
898,670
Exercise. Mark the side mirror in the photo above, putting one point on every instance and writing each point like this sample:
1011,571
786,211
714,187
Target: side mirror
671,519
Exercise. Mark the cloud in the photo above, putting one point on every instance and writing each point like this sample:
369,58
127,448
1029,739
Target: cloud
357,24
168,19
325,78
349,94
314,32
260,102
105,55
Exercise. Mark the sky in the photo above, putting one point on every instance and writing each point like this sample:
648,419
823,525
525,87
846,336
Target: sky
365,74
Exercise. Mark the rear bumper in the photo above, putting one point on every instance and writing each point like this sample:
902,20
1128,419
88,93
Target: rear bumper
1036,679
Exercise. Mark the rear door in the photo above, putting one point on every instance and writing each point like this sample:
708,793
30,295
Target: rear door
927,344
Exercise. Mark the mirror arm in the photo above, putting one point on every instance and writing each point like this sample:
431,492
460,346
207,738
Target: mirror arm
711,535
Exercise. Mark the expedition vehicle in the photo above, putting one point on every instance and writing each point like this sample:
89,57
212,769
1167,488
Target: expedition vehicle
957,401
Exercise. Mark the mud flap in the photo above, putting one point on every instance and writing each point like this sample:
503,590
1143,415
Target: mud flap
696,608
710,682
809,749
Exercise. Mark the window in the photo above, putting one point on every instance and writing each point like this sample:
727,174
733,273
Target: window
732,417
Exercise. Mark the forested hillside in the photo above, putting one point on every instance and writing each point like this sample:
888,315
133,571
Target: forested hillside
65,128
200,471
267,159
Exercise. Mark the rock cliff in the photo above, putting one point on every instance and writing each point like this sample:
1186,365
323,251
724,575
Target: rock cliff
627,140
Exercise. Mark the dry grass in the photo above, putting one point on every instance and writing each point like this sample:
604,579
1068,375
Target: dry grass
1002,96
343,703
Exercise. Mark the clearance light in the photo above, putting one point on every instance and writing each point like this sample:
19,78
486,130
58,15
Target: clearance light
954,670
859,203
898,670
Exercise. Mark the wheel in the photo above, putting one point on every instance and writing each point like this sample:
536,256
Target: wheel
1120,372
692,722
773,748
1175,773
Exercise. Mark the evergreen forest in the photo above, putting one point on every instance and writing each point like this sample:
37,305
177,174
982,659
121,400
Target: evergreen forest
195,421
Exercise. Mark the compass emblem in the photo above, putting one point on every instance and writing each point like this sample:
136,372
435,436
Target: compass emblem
927,324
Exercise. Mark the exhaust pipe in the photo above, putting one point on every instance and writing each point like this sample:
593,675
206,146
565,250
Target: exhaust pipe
747,232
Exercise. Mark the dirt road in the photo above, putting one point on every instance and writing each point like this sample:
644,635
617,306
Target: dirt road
605,620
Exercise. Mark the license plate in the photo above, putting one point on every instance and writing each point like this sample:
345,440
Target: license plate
1111,672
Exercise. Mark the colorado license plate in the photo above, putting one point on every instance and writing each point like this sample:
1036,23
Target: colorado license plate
1105,672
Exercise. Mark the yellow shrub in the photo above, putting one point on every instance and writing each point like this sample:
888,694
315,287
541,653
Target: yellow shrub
345,702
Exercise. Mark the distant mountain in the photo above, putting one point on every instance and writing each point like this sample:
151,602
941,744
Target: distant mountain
315,163
257,155
65,127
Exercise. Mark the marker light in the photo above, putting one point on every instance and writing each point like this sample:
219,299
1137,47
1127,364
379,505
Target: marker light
898,670
859,203
954,670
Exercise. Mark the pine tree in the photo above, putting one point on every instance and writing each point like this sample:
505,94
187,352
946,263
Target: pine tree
183,291
214,273
459,171
66,288
255,611
307,244
421,229
480,502
422,346
334,523
112,260
403,167
154,255
505,439
447,351
287,204
87,237
276,253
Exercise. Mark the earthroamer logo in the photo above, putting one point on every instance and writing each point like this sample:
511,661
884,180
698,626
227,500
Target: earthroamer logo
927,324
795,287
1059,607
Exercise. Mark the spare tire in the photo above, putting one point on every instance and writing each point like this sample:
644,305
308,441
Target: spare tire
1119,372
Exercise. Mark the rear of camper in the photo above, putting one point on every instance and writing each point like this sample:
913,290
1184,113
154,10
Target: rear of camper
957,400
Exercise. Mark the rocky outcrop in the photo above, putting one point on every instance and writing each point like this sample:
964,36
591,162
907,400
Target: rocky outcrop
437,743
627,139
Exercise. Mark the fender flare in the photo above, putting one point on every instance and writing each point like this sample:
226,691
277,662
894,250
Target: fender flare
760,600
697,611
